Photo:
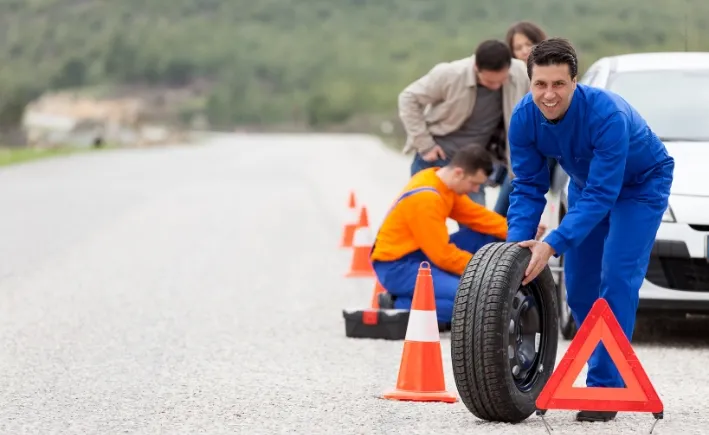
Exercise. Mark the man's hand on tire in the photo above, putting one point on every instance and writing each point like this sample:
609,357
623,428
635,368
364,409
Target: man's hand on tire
434,154
541,252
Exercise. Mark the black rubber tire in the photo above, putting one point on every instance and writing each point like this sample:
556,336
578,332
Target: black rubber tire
480,339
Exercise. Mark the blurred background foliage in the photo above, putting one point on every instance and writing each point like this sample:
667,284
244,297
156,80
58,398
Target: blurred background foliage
305,64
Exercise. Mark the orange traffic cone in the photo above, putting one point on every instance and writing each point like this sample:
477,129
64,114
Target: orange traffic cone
421,371
355,221
361,265
378,288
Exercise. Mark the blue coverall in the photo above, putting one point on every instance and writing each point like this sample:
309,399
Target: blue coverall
621,174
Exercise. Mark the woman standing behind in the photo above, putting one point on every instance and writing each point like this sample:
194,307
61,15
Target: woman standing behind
521,37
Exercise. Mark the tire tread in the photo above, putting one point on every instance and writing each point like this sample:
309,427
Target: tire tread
477,333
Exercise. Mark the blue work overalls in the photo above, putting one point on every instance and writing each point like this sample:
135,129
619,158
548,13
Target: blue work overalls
621,177
398,277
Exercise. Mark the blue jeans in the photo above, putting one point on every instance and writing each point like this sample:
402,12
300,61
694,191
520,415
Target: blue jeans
503,198
398,277
420,164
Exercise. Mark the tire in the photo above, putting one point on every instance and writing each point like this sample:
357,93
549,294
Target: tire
482,312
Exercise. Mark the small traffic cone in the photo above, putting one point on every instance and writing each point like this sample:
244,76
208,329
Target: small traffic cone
361,265
378,289
355,222
421,375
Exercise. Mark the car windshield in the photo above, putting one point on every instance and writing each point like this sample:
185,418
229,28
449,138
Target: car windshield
674,103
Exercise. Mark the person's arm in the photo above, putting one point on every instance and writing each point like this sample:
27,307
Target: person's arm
426,217
530,182
427,90
605,179
478,218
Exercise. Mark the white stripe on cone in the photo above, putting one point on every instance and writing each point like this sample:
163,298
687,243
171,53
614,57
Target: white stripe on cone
362,238
353,215
422,327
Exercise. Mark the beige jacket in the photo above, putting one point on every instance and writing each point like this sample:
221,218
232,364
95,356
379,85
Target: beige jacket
440,101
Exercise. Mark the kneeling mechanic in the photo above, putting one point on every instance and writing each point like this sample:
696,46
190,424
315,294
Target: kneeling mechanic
415,230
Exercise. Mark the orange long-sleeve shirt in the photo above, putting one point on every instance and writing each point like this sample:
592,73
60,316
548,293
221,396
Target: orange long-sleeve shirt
419,222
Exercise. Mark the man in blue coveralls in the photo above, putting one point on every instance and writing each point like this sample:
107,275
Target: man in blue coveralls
621,176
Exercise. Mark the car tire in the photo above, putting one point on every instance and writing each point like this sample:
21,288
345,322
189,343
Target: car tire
498,327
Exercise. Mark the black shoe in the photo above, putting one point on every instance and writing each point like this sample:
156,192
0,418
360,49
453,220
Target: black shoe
594,416
386,300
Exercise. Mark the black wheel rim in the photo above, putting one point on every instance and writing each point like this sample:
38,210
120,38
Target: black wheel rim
526,336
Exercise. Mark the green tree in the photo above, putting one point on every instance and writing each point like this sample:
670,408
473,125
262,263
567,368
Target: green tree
314,62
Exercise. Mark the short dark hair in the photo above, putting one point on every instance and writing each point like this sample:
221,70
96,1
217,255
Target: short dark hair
533,32
553,51
493,55
471,159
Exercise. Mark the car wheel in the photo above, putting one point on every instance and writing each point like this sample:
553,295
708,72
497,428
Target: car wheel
503,335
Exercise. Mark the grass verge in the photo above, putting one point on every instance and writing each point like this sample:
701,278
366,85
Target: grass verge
15,155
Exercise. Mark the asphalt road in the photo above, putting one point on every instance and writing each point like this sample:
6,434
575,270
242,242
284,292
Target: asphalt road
199,289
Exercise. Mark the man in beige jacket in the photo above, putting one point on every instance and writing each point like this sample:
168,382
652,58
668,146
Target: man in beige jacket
462,102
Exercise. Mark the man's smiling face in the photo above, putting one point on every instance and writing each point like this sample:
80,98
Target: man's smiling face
552,89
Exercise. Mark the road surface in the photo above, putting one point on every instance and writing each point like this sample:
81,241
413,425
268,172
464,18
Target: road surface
199,289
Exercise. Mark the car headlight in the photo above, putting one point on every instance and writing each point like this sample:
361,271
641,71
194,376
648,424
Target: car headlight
668,216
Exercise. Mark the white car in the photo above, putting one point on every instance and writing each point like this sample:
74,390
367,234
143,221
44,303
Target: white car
671,91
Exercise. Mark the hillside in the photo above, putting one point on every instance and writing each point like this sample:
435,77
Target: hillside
312,62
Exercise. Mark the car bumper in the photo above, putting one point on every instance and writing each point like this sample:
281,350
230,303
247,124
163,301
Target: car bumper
678,274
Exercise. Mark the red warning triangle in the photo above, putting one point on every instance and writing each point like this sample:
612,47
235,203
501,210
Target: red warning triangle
600,326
